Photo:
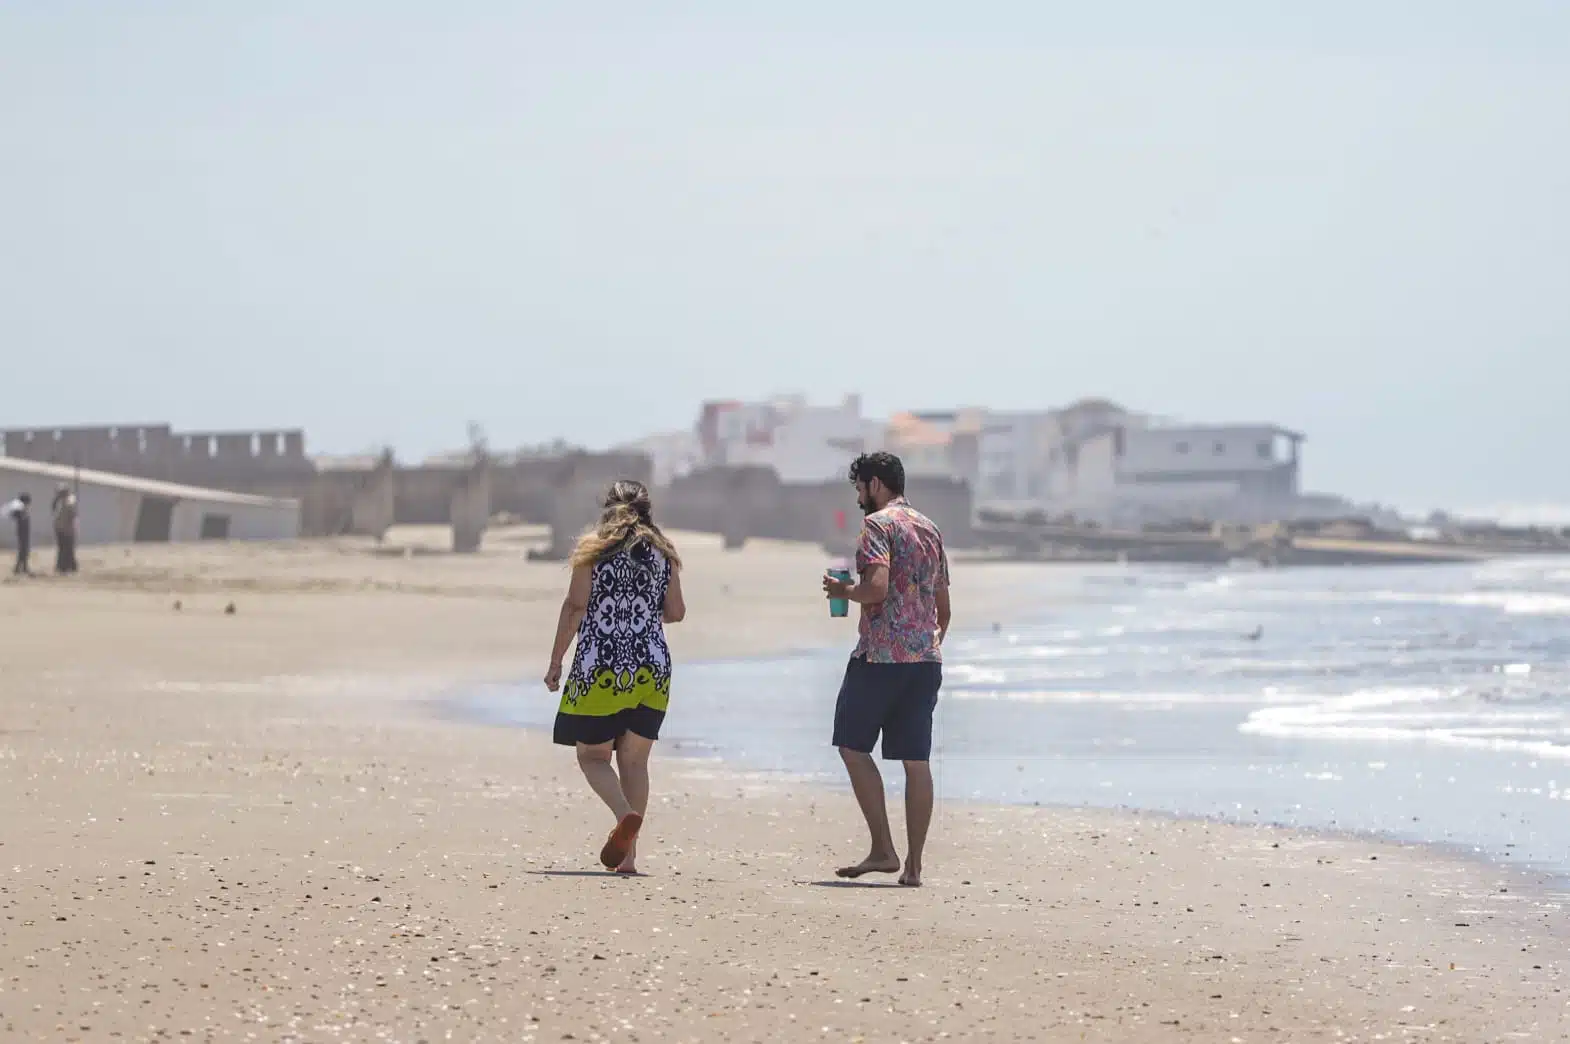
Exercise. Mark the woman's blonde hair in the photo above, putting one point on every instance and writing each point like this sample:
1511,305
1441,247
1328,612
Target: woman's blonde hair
627,522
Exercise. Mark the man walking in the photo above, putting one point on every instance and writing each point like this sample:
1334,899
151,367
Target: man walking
20,513
891,683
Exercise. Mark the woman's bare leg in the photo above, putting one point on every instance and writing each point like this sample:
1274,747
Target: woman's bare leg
632,758
595,761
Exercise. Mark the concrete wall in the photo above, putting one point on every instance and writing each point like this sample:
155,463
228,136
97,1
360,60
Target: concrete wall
578,494
528,487
950,505
422,496
230,460
341,502
753,502
470,510
737,502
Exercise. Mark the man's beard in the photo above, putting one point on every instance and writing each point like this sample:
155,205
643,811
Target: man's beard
867,506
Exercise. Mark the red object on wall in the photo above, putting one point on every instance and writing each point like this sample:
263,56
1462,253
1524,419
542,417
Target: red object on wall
839,519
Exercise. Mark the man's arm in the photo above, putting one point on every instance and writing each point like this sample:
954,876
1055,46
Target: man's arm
873,588
872,560
944,614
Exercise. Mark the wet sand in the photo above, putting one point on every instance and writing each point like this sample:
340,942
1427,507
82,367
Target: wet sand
256,827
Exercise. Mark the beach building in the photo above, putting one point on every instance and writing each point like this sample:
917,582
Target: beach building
1015,456
925,448
1224,472
800,441
123,509
1026,458
671,454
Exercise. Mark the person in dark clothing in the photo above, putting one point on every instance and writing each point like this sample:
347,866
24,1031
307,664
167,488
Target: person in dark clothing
64,509
20,511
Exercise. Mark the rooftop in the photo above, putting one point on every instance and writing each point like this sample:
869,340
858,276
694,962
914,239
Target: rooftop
152,487
1213,429
913,429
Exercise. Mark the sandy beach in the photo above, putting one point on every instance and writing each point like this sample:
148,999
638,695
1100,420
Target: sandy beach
259,826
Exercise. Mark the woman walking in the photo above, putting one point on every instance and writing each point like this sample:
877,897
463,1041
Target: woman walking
626,585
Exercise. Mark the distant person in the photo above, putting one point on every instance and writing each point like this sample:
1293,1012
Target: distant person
626,585
20,511
64,511
892,681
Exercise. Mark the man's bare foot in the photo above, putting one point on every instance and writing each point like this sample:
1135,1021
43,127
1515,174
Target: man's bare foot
873,864
911,878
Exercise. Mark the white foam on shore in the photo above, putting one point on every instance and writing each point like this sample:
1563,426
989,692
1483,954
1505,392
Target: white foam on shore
1196,699
1418,715
1515,603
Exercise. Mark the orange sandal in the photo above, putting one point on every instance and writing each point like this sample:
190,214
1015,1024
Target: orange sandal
621,840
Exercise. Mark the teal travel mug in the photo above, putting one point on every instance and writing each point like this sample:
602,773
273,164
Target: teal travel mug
839,606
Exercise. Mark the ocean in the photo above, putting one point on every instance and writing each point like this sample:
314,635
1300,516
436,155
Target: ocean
1423,703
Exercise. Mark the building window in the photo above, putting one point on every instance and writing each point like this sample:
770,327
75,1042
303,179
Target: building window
1182,447
1265,451
1221,448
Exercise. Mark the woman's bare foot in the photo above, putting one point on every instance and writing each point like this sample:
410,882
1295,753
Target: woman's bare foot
876,863
911,878
629,865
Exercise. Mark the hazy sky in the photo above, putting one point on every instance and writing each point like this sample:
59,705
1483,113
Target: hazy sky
380,220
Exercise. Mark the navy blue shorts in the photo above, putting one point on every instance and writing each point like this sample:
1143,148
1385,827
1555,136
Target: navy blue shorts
895,699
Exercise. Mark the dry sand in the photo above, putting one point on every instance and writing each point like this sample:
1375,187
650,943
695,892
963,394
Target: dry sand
254,827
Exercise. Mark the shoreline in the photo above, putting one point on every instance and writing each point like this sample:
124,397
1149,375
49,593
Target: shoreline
251,826
1547,881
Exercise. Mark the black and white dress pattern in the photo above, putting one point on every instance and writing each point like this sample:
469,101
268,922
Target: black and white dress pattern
622,664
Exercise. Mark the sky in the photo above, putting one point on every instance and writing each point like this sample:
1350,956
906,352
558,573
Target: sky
381,221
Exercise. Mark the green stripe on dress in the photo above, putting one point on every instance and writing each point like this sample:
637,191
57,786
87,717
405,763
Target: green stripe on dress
608,693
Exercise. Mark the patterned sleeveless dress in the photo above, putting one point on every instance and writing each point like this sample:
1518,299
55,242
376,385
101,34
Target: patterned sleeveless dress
620,679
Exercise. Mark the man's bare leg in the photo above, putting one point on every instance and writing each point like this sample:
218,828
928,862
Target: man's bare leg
918,817
632,759
867,782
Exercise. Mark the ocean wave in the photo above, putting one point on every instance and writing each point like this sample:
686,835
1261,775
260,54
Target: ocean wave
1028,695
1446,717
967,674
1524,603
1515,603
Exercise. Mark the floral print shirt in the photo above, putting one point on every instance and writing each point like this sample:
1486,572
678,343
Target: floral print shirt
904,628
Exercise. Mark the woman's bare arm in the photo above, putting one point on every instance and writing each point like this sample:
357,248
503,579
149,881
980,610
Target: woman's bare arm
675,605
573,607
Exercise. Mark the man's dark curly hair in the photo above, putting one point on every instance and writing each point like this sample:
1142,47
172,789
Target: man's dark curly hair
883,466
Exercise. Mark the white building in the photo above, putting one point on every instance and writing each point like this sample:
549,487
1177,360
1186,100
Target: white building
671,454
119,509
1027,457
1233,472
801,442
1014,456
925,447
